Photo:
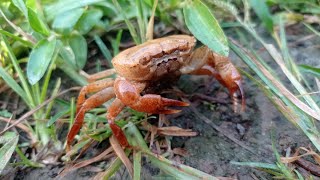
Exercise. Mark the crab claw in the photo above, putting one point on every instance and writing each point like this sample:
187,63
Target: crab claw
156,104
205,62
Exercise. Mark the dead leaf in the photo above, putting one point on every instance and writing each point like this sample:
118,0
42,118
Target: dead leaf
121,154
103,155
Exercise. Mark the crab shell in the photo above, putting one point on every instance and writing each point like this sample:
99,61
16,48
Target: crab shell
154,59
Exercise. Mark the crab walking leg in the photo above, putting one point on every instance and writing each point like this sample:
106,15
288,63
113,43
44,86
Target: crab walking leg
113,112
92,102
91,88
129,94
205,62
100,75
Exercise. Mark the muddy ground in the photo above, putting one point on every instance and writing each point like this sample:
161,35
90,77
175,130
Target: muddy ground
211,151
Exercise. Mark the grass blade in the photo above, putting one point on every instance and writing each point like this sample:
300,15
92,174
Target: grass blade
141,16
131,28
13,84
17,68
174,169
104,49
9,141
261,9
291,107
16,38
136,165
309,69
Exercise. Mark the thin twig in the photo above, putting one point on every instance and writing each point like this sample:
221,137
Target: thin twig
26,115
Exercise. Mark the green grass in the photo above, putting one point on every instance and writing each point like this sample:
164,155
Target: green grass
41,36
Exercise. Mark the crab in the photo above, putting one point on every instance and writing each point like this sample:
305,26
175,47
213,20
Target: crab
141,67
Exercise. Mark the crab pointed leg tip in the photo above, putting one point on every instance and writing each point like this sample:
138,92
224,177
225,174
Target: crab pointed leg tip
172,102
169,111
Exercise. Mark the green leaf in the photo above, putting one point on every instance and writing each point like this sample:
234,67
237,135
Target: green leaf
64,22
204,26
54,118
261,9
36,23
137,165
68,56
66,5
40,59
104,49
16,38
310,69
21,6
79,47
8,141
89,19
13,84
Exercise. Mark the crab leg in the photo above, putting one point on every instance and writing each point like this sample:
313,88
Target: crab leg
113,112
100,75
129,94
205,62
91,88
86,105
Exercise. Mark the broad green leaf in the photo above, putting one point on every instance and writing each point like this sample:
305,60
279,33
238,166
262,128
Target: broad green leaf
36,23
204,26
67,54
66,5
40,59
21,6
8,143
79,47
64,22
13,84
89,19
261,9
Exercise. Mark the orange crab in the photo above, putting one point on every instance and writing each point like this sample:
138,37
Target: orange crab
145,65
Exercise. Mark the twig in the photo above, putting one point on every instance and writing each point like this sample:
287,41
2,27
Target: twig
309,166
26,115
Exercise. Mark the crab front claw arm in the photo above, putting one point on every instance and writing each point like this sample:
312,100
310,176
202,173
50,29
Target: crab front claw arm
129,94
205,62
